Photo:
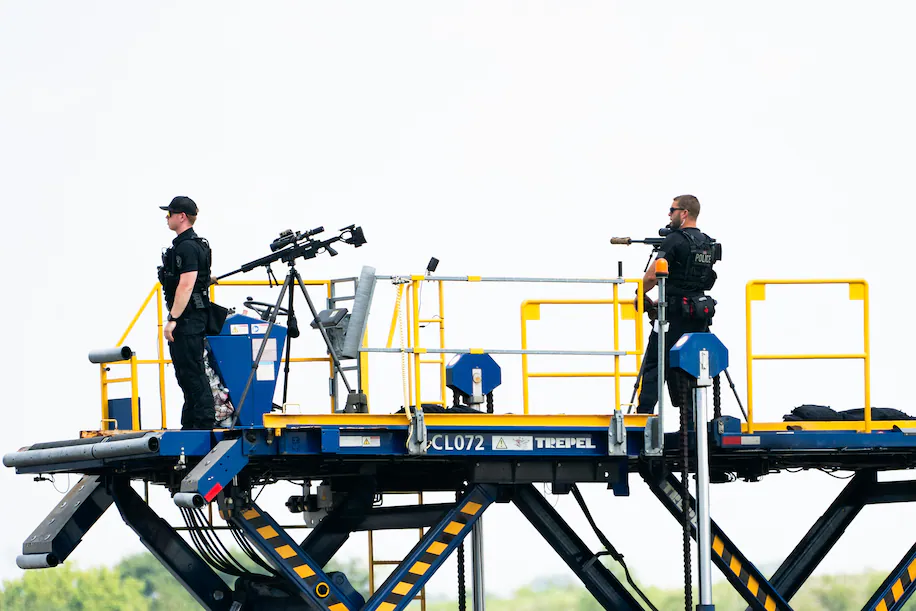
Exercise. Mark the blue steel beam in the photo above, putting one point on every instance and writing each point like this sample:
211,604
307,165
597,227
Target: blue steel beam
170,549
820,539
599,581
215,470
747,580
431,552
59,534
897,588
301,571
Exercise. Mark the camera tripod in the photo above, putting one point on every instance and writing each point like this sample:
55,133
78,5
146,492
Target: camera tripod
292,277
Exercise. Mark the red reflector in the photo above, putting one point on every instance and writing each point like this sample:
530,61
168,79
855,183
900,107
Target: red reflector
213,492
731,441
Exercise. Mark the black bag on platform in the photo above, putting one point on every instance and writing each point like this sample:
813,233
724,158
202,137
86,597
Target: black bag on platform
216,318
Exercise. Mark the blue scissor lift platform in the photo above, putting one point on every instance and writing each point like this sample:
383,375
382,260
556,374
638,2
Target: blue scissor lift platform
483,458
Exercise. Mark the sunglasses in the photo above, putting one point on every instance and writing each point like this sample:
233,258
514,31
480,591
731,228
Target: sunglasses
169,214
673,210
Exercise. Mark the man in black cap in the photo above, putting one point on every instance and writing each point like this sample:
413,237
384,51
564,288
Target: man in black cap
185,276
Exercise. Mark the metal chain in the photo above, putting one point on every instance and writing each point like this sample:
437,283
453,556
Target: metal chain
716,397
685,503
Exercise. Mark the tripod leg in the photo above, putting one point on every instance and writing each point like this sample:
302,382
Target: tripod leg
254,366
737,398
290,317
642,367
324,333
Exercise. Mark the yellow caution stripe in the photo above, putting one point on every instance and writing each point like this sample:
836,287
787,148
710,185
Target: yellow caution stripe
734,564
287,552
898,589
433,553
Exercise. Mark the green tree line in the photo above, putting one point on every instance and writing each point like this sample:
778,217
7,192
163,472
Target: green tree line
140,583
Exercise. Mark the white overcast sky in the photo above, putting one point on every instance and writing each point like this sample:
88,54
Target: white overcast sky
505,138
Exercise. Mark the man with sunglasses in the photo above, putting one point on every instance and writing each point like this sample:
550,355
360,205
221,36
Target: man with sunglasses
691,255
185,276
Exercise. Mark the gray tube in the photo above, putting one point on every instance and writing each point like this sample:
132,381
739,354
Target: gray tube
110,355
356,328
110,449
36,561
189,500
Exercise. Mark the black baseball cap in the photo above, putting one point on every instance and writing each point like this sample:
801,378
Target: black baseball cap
181,203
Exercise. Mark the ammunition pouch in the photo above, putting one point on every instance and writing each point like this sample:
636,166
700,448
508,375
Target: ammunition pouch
696,307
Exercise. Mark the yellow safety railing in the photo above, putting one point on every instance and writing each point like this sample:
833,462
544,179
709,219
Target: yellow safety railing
134,393
161,361
531,310
410,291
858,291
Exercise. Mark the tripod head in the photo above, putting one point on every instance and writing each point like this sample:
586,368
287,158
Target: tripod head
289,246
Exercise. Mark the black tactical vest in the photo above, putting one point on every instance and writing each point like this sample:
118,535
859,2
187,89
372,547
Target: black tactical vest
169,276
695,274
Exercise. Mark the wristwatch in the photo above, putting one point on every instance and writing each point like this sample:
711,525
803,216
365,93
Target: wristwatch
172,318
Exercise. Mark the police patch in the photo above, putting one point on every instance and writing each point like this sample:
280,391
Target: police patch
178,261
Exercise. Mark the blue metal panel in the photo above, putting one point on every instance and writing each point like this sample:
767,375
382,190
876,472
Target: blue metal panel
234,351
816,440
295,442
215,472
122,411
686,353
189,443
459,372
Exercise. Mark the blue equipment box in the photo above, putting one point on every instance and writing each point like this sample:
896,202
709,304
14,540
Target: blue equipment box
120,411
234,351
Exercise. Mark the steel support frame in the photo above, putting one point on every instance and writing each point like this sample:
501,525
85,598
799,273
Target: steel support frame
356,514
745,578
300,570
596,577
402,586
170,549
59,533
823,535
893,593
864,489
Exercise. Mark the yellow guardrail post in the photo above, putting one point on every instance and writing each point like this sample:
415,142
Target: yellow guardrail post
415,305
160,343
531,310
134,395
104,378
858,291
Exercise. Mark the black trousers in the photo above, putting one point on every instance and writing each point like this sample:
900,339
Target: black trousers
679,383
188,359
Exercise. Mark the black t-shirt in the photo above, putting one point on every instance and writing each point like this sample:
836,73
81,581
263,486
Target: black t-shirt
676,250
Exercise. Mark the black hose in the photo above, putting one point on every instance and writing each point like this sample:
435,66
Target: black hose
611,550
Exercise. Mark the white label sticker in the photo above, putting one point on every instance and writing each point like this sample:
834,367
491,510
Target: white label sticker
564,443
516,443
238,329
265,371
270,350
359,441
259,328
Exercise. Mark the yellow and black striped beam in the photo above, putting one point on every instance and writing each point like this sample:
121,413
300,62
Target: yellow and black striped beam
897,588
740,572
423,560
286,555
